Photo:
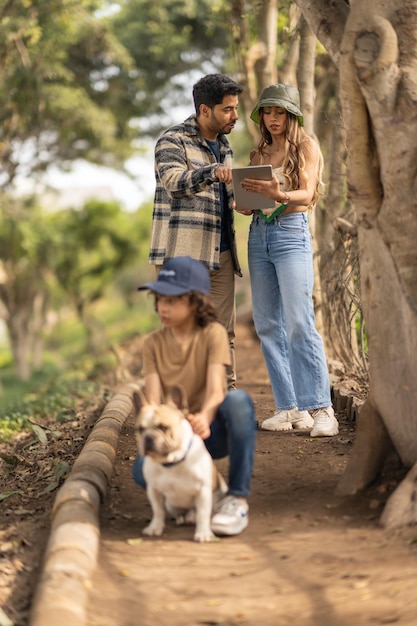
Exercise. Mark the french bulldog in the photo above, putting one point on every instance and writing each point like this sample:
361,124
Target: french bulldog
181,478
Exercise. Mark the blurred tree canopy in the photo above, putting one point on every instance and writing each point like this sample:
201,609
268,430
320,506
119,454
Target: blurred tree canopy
91,246
167,40
61,68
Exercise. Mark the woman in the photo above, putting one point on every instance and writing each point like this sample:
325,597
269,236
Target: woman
281,266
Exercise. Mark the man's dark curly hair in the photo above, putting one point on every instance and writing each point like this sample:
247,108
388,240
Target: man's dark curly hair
211,90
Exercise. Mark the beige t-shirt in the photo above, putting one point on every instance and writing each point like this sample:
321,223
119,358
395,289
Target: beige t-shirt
186,363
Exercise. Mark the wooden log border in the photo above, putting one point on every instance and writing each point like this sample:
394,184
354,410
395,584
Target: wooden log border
72,551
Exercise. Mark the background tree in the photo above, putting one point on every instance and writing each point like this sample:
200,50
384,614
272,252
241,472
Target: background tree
62,72
253,27
375,51
25,275
91,246
168,41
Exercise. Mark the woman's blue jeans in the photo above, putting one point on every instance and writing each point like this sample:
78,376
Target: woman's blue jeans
233,434
281,274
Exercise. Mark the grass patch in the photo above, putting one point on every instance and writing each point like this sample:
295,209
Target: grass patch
57,396
69,372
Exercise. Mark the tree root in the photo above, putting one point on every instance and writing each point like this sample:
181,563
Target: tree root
401,507
372,446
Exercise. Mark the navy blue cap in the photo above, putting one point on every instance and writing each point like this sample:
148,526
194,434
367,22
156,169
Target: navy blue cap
180,275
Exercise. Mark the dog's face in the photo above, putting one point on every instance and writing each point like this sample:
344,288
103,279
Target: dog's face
159,429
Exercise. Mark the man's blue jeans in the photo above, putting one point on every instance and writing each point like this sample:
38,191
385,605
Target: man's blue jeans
281,273
233,434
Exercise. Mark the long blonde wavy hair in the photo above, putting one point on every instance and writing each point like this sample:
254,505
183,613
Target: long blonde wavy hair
293,166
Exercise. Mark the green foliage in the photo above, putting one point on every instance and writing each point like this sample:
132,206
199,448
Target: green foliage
91,245
25,236
119,320
59,397
71,375
168,40
59,62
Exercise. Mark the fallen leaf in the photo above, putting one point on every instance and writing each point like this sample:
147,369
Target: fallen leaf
124,572
53,485
24,511
40,433
135,541
7,494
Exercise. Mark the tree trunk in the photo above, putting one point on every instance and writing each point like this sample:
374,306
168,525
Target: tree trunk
371,448
401,507
291,45
267,20
305,74
256,59
40,311
305,83
18,326
378,69
379,109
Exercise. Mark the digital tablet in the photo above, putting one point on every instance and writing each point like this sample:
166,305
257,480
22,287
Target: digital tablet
250,199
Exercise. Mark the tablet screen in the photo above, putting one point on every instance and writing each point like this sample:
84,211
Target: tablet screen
249,199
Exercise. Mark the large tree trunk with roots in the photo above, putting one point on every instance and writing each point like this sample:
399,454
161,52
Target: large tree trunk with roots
378,78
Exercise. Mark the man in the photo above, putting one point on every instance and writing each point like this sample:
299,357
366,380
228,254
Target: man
192,213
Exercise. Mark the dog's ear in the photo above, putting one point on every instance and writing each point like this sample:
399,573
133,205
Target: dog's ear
178,397
139,401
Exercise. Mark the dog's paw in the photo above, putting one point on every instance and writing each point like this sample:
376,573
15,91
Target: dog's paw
153,530
203,536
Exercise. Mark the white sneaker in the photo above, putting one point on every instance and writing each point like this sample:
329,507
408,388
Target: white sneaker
230,516
288,419
325,423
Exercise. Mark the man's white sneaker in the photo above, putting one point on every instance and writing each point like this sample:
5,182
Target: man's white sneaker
289,419
230,516
325,423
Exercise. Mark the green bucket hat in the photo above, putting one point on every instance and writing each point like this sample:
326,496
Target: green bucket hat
284,96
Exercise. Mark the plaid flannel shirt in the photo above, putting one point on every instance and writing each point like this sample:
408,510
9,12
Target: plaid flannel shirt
186,217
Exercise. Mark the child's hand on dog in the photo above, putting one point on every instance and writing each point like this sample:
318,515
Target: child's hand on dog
199,425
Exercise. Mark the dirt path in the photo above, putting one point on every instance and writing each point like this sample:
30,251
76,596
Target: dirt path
308,558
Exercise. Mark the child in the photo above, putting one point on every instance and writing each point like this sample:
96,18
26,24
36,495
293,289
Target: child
192,350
